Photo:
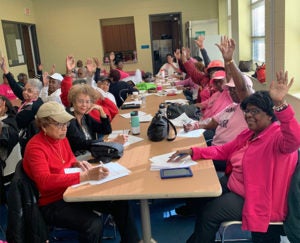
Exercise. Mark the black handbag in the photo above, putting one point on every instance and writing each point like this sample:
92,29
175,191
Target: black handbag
106,151
159,128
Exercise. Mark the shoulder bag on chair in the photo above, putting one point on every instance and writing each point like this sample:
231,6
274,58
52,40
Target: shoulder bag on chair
159,128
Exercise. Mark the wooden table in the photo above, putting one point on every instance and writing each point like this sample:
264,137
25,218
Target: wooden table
144,184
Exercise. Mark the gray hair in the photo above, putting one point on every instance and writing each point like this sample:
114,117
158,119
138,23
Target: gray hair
36,83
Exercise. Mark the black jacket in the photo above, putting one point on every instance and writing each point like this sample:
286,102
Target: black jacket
25,222
78,142
9,137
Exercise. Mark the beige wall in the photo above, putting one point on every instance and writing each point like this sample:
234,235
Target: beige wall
14,10
72,27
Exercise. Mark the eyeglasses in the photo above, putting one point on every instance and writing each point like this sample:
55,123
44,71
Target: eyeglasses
80,101
60,125
253,111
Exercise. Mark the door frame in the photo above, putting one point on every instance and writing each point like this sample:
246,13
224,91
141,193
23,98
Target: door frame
175,17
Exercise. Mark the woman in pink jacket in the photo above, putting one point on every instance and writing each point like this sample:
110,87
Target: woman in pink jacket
261,161
262,158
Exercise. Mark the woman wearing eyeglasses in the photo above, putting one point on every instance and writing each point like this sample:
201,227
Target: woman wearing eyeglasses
261,161
29,95
46,157
83,129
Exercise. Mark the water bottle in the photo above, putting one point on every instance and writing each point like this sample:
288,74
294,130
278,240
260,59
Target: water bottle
135,123
162,109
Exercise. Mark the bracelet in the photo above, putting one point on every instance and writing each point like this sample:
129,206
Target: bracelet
231,61
281,107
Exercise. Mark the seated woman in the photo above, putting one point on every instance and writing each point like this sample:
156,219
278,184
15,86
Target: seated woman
170,67
47,155
9,136
262,160
29,95
117,64
83,129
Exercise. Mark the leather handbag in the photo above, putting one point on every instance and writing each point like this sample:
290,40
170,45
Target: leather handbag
106,151
159,128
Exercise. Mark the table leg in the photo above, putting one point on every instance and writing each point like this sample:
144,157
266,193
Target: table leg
146,223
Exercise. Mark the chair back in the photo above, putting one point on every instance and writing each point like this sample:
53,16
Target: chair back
24,222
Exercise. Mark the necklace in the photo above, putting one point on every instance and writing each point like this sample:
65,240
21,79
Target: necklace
58,153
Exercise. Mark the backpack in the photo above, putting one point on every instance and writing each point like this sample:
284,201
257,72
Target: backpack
106,151
260,73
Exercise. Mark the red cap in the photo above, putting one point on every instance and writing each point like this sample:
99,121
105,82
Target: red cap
218,75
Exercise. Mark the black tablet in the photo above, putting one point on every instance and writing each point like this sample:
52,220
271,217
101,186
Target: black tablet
175,173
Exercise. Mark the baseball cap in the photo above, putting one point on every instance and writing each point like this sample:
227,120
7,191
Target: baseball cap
104,78
247,80
218,75
57,76
55,111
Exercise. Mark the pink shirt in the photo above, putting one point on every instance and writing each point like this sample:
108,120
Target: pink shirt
6,91
122,74
231,122
236,178
216,103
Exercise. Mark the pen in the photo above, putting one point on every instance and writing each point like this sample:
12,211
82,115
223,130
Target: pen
101,165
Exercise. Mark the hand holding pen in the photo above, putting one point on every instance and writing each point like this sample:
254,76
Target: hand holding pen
179,155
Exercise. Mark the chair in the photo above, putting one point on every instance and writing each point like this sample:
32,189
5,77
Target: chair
9,170
225,225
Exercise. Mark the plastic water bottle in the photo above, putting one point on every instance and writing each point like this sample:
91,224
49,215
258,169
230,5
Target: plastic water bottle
135,123
162,109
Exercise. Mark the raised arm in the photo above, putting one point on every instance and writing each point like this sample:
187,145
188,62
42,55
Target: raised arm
227,47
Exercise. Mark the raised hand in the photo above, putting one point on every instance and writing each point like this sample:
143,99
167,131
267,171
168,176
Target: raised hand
3,65
90,66
227,47
280,88
53,69
70,63
45,79
200,41
97,62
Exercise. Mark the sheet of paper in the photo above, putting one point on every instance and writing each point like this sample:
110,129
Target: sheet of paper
182,119
160,162
191,134
135,102
115,171
131,139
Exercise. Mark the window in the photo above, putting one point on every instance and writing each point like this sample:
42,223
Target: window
14,43
118,36
229,17
258,30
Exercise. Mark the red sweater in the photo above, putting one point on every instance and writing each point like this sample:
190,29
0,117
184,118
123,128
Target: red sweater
109,107
43,164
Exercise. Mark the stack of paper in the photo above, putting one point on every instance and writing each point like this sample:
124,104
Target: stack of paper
191,134
115,171
182,119
131,139
160,162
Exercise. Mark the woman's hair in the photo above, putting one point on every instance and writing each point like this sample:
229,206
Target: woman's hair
36,83
43,121
10,109
82,89
22,77
262,100
114,75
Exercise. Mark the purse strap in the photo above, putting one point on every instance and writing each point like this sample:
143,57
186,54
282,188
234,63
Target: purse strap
168,129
